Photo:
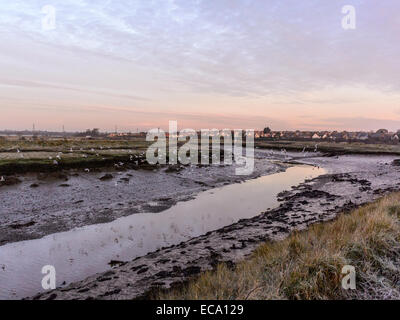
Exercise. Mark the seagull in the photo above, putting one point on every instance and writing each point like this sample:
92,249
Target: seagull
55,162
87,170
2,179
18,151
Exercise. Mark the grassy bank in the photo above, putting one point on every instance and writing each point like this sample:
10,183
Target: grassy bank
17,157
40,156
330,147
308,264
64,145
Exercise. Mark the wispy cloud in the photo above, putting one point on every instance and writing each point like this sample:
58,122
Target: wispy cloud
44,85
223,49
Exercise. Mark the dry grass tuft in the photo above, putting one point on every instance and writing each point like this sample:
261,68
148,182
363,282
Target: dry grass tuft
308,264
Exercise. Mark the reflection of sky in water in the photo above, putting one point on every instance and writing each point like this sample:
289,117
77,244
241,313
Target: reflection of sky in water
85,251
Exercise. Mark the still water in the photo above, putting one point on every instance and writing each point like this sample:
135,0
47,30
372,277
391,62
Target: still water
84,251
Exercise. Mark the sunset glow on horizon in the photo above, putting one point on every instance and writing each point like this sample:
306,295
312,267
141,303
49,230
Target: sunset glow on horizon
207,64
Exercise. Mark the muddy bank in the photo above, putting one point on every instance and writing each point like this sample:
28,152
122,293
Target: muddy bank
82,252
84,161
100,159
45,203
351,181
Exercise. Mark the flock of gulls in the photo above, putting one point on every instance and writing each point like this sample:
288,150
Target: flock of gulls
59,154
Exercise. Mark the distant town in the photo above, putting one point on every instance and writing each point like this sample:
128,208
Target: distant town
379,136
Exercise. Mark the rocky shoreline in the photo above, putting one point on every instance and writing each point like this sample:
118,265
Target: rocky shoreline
350,182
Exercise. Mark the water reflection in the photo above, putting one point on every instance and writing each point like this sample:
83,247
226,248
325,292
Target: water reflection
81,252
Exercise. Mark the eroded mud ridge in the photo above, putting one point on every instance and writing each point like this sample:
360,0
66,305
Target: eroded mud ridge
352,180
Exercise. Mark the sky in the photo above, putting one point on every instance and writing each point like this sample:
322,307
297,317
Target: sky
206,63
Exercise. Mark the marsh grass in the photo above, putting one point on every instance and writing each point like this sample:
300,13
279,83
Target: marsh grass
330,147
308,264
64,145
31,156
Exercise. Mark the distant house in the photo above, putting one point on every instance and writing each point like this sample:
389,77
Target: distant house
352,135
375,136
326,135
288,135
363,136
382,135
306,135
382,131
276,135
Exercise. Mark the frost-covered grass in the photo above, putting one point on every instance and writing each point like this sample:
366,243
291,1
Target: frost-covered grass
308,264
